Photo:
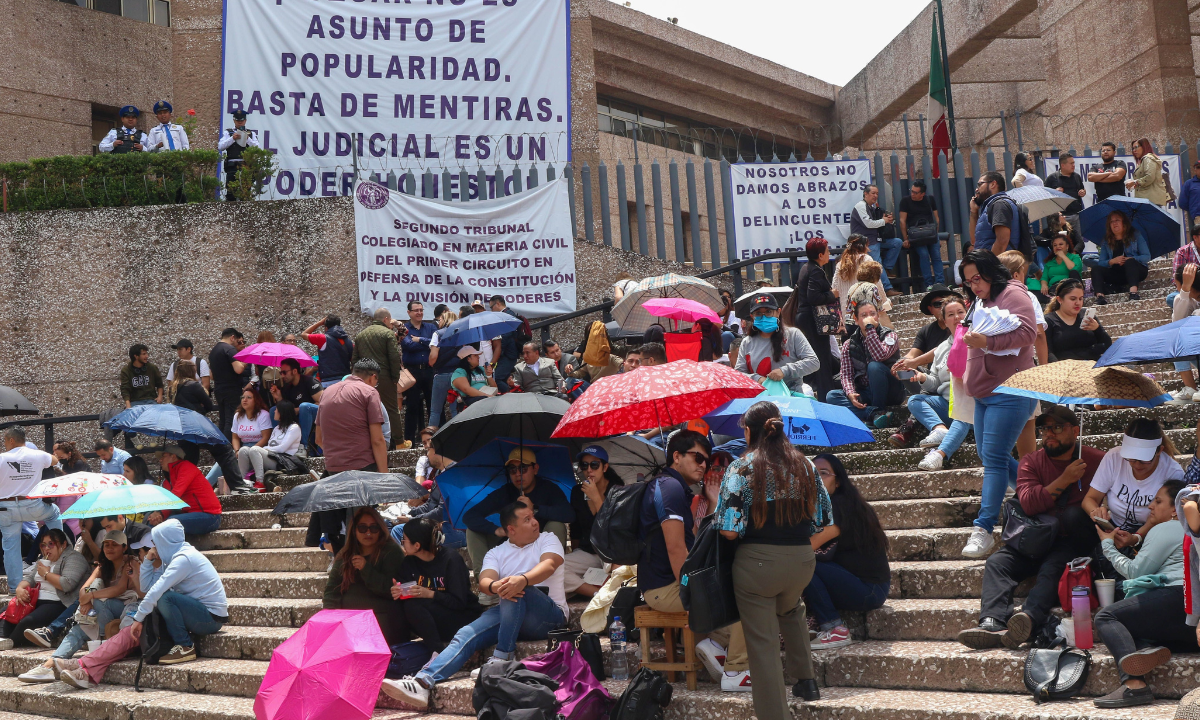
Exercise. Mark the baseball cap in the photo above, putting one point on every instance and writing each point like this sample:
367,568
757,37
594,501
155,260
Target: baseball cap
467,350
183,343
1058,412
117,536
521,455
763,300
595,451
146,542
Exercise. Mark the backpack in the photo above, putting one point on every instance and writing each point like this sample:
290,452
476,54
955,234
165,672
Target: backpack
524,333
155,642
645,698
617,528
407,659
1024,241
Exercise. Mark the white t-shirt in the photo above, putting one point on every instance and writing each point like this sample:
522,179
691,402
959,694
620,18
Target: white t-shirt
250,430
46,591
285,441
508,559
202,369
1038,316
1129,499
20,469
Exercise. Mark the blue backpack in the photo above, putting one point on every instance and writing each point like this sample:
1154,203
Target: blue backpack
407,659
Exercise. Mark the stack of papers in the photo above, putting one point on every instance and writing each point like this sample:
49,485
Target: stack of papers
995,321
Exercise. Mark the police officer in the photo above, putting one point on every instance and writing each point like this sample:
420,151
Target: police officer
166,136
126,138
234,143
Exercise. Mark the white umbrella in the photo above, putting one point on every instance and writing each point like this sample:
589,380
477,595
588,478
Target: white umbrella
634,318
78,483
1040,201
741,306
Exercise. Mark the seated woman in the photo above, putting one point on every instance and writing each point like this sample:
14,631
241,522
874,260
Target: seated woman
1124,259
284,440
251,426
857,577
586,499
868,288
932,406
441,602
1069,336
69,457
1064,264
773,351
468,380
1142,630
432,507
868,385
57,576
362,573
136,471
100,602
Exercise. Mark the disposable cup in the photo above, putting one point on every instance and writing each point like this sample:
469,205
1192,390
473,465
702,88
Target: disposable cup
93,645
1068,628
1106,591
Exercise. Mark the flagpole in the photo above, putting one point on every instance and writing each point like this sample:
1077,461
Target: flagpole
946,74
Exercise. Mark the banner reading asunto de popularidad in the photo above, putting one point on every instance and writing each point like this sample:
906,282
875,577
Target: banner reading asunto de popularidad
460,84
433,251
779,207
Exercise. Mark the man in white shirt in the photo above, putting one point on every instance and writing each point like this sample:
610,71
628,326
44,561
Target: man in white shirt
186,351
166,135
21,469
126,138
526,574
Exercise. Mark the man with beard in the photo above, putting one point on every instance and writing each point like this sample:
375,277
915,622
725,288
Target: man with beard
994,215
1109,176
1052,480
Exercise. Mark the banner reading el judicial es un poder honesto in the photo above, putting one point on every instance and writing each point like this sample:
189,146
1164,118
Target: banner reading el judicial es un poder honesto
779,207
459,84
433,251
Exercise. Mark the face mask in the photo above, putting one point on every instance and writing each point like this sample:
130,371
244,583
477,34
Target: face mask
766,323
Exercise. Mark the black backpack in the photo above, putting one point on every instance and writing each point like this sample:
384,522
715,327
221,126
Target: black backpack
155,642
617,528
646,697
1024,242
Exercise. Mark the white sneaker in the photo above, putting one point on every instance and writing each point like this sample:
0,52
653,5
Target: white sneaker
735,681
935,438
489,661
980,544
713,657
5,644
933,460
407,690
77,678
1182,395
39,674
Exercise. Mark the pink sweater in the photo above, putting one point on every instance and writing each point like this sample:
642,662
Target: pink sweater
986,372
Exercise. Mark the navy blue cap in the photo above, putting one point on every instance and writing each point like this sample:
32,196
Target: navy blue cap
239,114
595,451
130,111
162,105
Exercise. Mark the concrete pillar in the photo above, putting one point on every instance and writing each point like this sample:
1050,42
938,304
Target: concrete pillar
196,68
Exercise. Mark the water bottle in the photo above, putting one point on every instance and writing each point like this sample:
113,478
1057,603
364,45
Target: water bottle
616,640
1081,615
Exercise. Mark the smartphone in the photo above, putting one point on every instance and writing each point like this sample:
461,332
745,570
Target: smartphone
1104,525
1089,313
906,374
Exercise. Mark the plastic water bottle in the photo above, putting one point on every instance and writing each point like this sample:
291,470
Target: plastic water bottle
1081,616
616,640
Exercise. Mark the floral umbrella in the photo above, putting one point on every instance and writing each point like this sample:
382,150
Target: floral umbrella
633,318
78,483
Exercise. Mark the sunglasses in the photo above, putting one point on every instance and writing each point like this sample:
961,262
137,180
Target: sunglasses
518,469
371,529
593,465
701,458
937,304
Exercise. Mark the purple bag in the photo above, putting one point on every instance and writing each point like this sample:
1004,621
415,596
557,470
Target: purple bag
581,695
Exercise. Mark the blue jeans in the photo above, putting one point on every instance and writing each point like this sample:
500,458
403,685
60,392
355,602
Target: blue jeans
999,420
452,537
1171,298
929,259
185,615
437,400
884,389
60,622
198,523
891,251
107,610
12,514
530,617
934,410
727,339
327,383
835,588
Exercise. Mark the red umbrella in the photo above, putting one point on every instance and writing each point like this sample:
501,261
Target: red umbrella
652,397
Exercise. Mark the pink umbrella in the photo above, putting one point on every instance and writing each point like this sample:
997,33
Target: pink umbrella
331,669
273,354
682,309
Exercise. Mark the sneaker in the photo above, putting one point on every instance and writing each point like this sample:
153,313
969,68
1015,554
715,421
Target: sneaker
933,460
1182,395
989,634
489,661
735,681
713,657
62,665
406,445
76,678
834,637
42,637
903,438
935,437
408,691
179,654
39,674
1141,662
1134,296
884,420
979,545
1125,697
1101,300
5,644
1020,627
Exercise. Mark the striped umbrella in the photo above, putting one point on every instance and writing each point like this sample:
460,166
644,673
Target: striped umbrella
634,318
1040,201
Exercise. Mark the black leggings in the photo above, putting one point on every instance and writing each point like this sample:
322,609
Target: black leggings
434,623
822,381
1118,278
1155,617
43,614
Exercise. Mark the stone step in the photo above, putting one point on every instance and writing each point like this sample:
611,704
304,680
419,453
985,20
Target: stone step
117,702
287,482
288,537
275,585
926,513
920,484
293,559
922,619
257,501
271,612
260,520
937,579
929,544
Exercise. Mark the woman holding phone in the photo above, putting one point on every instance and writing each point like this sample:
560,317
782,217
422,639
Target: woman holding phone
1073,332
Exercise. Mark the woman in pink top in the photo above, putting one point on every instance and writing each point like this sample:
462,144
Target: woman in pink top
999,418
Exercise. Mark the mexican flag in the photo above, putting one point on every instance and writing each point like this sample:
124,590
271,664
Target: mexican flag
939,137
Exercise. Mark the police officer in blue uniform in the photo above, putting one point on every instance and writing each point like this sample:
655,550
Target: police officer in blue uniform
233,144
126,137
167,135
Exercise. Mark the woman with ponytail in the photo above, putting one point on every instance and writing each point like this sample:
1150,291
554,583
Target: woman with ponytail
772,502
440,601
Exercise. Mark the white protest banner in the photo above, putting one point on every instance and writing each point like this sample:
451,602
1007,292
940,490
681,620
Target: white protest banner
330,84
1084,165
779,207
434,251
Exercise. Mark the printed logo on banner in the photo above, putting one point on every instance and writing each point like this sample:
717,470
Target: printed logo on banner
372,195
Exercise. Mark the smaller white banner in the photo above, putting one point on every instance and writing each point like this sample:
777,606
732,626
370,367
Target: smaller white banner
779,207
432,251
1085,165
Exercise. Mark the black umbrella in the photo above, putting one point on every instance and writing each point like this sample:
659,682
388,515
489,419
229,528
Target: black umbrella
350,489
14,403
526,416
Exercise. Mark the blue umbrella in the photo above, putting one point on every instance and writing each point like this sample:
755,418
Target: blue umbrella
476,327
124,500
808,422
473,479
168,421
1155,224
1179,340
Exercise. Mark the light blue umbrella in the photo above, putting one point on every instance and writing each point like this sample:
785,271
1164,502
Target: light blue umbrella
124,500
1179,340
807,421
168,421
1155,224
476,327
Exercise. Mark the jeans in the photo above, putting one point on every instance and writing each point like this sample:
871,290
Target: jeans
452,537
934,410
727,339
441,386
60,622
12,514
890,252
1041,256
198,523
530,617
1171,300
835,588
504,369
326,383
185,615
1155,617
929,259
415,400
999,420
883,390
107,610
305,414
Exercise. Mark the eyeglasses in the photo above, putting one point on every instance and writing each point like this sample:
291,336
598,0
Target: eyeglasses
371,529
1056,428
701,458
518,469
593,465
937,304
974,279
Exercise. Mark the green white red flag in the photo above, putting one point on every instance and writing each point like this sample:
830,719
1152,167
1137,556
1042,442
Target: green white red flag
939,137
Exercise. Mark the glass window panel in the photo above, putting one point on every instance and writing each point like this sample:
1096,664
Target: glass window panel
136,9
80,3
624,111
108,6
618,127
605,124
162,13
602,104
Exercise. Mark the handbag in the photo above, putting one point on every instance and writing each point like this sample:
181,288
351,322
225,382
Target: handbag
1077,572
1056,673
827,318
706,582
405,380
1032,536
922,235
956,360
17,610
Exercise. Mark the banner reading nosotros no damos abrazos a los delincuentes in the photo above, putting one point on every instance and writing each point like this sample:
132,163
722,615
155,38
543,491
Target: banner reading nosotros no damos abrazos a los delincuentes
779,207
433,251
398,85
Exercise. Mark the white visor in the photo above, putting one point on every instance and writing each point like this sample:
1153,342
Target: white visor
1138,449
